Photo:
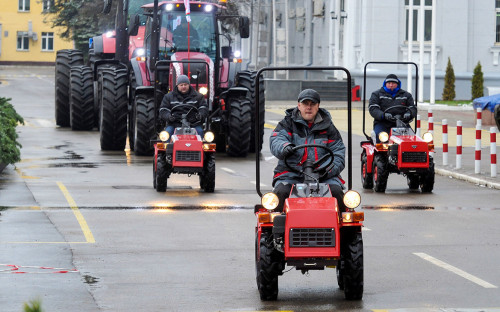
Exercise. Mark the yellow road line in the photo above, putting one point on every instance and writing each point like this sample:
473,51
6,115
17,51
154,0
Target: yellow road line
81,220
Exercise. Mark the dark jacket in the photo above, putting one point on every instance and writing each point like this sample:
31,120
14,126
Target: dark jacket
293,129
174,98
381,100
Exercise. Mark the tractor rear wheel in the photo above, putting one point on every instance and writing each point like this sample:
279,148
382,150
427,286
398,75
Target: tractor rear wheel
81,103
143,125
366,178
427,178
162,173
113,116
270,264
246,79
131,111
380,174
65,59
239,121
207,177
352,263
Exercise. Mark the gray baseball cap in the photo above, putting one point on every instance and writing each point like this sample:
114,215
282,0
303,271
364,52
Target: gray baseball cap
309,94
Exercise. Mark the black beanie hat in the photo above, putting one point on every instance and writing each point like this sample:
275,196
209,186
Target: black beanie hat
392,78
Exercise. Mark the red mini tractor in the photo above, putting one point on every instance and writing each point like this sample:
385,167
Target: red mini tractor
311,233
401,151
186,153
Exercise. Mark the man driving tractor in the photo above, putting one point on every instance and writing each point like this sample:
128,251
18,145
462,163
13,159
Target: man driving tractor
306,124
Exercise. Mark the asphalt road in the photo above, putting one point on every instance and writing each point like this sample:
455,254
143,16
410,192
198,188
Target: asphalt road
91,233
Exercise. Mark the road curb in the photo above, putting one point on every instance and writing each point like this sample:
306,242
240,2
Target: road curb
464,177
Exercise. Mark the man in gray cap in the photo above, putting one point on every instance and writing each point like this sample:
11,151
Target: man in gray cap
183,93
390,95
306,124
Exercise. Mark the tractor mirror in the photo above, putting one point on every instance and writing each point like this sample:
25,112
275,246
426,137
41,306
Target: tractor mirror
226,52
107,6
133,27
244,27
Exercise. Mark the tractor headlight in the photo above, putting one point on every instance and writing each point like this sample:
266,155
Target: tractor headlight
140,52
164,136
383,136
203,90
427,137
209,136
270,201
352,199
169,7
209,8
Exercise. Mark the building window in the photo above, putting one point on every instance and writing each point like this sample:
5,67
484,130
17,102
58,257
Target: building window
23,41
497,33
46,5
24,5
427,19
47,41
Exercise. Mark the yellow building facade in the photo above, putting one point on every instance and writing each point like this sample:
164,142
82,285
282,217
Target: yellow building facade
24,37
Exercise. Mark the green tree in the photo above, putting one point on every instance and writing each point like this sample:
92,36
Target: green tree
449,83
477,88
9,146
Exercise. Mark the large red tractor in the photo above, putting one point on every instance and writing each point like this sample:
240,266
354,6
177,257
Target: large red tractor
126,88
312,233
401,151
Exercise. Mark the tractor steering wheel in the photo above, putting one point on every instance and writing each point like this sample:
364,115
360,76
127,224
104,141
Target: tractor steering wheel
313,166
406,108
191,108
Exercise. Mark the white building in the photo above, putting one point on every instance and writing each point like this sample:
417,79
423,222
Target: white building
350,33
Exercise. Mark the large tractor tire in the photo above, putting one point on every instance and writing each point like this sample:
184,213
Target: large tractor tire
270,264
113,115
380,174
65,59
352,263
246,79
239,124
144,128
81,104
131,111
366,178
207,177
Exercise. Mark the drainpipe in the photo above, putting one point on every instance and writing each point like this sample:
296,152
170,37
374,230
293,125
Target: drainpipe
310,33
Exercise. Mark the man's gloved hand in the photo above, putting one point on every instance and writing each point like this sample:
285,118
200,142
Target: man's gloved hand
172,118
288,150
406,117
389,117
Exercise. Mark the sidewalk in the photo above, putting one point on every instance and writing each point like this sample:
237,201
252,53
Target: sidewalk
452,114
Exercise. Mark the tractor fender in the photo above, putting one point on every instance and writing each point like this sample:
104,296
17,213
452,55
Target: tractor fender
136,71
149,90
103,45
370,154
234,92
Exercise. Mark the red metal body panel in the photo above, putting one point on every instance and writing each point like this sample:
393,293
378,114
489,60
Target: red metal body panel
191,143
410,143
109,43
136,42
311,212
370,153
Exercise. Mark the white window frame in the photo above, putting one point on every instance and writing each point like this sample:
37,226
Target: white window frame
427,19
45,5
24,39
23,7
47,37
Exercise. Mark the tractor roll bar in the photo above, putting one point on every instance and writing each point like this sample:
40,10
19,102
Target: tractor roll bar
364,89
257,116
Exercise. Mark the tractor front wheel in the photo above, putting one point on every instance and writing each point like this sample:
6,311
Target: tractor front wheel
162,173
352,263
143,125
270,264
81,102
207,177
427,178
65,59
366,178
239,121
380,174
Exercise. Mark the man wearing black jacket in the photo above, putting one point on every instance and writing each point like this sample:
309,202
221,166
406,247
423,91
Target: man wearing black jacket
183,93
388,96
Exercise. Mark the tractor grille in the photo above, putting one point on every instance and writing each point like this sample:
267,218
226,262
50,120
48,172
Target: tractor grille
312,237
419,157
188,156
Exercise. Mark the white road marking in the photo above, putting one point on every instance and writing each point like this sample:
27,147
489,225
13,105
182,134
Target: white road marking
268,158
228,170
455,270
255,183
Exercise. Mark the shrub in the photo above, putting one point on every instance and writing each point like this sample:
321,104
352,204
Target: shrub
449,83
9,146
477,88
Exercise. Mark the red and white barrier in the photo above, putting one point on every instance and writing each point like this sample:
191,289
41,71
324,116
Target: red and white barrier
417,131
445,142
459,145
477,153
431,121
493,151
